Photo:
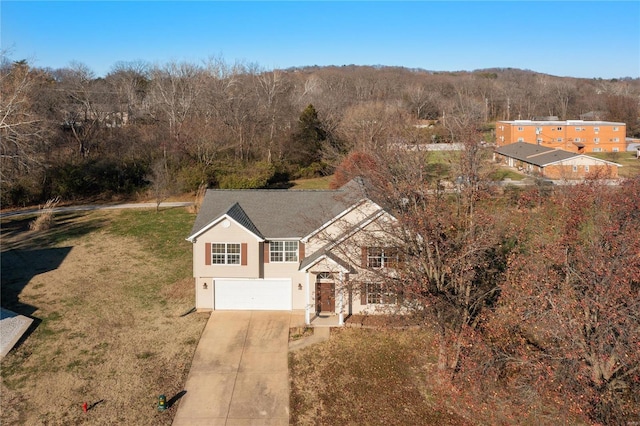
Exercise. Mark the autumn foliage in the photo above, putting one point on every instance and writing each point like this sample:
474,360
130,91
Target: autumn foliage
567,326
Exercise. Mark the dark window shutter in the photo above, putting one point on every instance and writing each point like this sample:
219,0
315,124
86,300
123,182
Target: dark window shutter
243,254
363,294
207,254
300,251
266,252
363,262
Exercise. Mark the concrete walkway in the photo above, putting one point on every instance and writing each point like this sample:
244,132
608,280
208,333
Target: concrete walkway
239,374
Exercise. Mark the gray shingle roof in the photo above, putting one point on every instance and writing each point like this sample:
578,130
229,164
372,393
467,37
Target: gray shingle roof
535,154
278,213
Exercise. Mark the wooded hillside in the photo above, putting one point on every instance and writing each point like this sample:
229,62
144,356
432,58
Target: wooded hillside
66,133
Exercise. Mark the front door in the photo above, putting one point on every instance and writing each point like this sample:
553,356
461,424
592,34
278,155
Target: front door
325,297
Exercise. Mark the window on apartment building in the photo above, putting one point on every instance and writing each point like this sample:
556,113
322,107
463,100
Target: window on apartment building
616,140
575,168
596,129
225,253
520,139
559,139
615,149
539,140
380,257
596,140
283,251
615,128
520,129
597,149
379,293
559,128
586,168
576,140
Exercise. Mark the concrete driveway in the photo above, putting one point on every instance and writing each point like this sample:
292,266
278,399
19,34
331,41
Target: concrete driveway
239,374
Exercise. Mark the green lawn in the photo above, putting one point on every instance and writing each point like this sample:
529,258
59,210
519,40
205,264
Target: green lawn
630,164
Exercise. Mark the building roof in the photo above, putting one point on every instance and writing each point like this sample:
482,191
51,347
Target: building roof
541,156
562,123
277,213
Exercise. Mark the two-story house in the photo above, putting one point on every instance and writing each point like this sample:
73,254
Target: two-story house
321,251
571,135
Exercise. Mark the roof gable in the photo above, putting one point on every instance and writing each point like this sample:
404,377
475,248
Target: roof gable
274,214
542,156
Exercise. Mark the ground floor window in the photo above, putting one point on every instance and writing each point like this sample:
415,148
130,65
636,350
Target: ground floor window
379,293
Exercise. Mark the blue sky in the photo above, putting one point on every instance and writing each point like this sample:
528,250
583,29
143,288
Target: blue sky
578,39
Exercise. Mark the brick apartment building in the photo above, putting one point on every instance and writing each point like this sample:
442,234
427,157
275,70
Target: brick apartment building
572,135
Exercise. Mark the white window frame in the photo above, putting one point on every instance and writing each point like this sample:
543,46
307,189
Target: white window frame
520,129
596,129
283,251
226,254
615,149
597,149
379,294
586,168
615,128
574,168
596,140
382,257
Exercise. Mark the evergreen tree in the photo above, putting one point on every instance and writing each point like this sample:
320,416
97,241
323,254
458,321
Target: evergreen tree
306,143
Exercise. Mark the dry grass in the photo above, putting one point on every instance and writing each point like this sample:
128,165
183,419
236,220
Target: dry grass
200,193
367,377
44,220
111,329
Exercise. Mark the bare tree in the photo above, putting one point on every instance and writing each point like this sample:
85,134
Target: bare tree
22,131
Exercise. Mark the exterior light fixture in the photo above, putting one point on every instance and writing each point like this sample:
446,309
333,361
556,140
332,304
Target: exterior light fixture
205,286
299,286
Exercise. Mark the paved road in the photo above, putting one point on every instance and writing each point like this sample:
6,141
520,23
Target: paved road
239,374
17,213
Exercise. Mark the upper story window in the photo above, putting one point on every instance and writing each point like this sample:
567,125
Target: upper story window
381,257
559,128
615,128
596,129
520,128
283,251
225,253
596,140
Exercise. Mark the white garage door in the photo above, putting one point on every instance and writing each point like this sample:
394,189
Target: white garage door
253,295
